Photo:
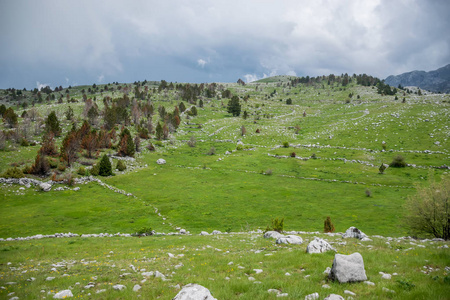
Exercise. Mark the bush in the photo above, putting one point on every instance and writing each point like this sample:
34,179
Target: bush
398,162
61,167
313,156
53,163
192,142
428,211
95,170
81,171
121,166
150,147
293,154
286,144
368,193
144,231
268,172
13,173
212,151
328,225
277,225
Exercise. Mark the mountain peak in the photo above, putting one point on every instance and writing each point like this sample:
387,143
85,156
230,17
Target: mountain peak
437,81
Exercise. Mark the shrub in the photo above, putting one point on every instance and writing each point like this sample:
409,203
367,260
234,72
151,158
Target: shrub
144,231
268,172
313,156
70,180
286,144
81,171
277,225
61,167
328,225
13,173
428,211
159,144
368,193
398,162
24,143
239,147
150,147
212,151
40,166
95,170
192,142
121,166
293,154
53,163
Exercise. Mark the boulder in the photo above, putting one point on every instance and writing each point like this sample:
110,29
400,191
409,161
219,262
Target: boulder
63,294
194,292
119,287
46,187
204,233
348,268
318,246
273,235
290,239
161,161
312,296
354,232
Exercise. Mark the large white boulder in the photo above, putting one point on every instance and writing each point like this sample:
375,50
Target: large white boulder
319,246
290,239
354,232
161,161
193,291
348,268
273,235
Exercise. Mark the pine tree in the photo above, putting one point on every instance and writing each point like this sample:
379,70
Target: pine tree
52,124
105,168
10,117
234,107
126,144
159,132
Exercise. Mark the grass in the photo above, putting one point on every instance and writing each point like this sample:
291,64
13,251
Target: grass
228,192
206,261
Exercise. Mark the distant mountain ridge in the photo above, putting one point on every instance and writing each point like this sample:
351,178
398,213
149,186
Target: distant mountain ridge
434,81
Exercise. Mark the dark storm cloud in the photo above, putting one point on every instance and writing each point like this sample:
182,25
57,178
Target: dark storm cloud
68,42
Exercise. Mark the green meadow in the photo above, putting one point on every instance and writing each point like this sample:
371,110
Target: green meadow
317,157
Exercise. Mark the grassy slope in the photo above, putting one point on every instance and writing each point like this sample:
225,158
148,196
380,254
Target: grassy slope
204,264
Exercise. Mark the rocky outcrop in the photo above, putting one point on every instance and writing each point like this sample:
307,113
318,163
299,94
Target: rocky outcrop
348,268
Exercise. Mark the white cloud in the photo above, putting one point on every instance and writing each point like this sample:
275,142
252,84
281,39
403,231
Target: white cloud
41,85
201,62
101,78
251,78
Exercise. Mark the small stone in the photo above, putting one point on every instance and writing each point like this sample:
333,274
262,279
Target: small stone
388,290
258,271
287,274
136,288
49,278
326,286
349,293
119,287
369,283
63,294
312,296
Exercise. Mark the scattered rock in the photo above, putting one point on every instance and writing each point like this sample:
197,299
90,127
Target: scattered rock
49,278
312,296
354,232
349,293
388,290
348,268
257,271
326,286
318,246
290,239
204,233
136,288
369,283
161,161
63,294
44,186
119,287
194,291
273,235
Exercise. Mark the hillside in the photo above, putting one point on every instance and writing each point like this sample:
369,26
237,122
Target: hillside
297,149
437,81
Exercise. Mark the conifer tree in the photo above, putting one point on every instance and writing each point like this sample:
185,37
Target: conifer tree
52,124
105,168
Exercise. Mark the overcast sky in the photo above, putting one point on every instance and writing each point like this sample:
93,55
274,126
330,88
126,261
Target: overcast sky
85,42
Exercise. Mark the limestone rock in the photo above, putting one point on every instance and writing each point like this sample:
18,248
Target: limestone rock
348,268
273,235
136,288
63,294
161,161
290,239
46,187
354,232
193,292
318,246
119,287
312,296
204,233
